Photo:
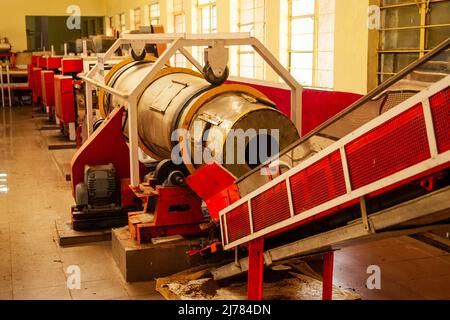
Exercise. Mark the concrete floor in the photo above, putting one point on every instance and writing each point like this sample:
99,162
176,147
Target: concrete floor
33,266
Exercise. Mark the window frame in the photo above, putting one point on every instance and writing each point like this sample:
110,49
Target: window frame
423,27
139,16
123,21
314,51
175,14
151,17
211,4
112,26
254,23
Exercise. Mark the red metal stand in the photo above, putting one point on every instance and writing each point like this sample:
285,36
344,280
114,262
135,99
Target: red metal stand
328,264
98,150
255,269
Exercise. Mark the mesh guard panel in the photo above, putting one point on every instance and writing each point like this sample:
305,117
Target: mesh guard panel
318,184
395,145
270,207
440,108
238,223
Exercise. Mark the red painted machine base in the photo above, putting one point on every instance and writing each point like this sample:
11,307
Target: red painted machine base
175,211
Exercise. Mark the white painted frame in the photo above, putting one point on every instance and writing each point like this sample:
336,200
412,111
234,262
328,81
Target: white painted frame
434,161
179,42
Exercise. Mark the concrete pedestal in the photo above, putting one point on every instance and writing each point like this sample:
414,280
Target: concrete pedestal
150,261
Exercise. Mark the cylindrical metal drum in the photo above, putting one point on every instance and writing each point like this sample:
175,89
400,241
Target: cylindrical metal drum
231,123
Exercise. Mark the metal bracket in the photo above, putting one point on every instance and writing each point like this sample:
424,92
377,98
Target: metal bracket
138,47
367,225
217,58
267,259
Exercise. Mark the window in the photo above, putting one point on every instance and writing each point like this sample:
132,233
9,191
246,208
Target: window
179,19
207,16
251,19
112,28
207,23
311,42
155,13
409,29
4,183
137,18
123,22
178,6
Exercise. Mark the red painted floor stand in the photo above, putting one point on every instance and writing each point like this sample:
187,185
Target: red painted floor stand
328,264
255,269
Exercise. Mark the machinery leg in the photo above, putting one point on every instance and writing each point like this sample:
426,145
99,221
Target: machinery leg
72,132
328,264
255,269
78,138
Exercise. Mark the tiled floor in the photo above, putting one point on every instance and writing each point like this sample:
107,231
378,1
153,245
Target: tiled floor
409,269
33,266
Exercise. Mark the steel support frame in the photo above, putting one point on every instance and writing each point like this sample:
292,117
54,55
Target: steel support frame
179,42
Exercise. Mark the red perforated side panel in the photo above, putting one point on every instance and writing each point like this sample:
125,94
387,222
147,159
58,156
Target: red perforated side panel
321,182
270,207
395,145
238,223
440,108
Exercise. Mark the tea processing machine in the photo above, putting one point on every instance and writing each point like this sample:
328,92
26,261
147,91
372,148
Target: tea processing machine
378,168
176,99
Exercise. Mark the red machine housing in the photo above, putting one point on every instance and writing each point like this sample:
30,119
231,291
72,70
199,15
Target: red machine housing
48,91
37,85
34,61
177,211
53,63
42,62
97,149
72,65
218,193
64,99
